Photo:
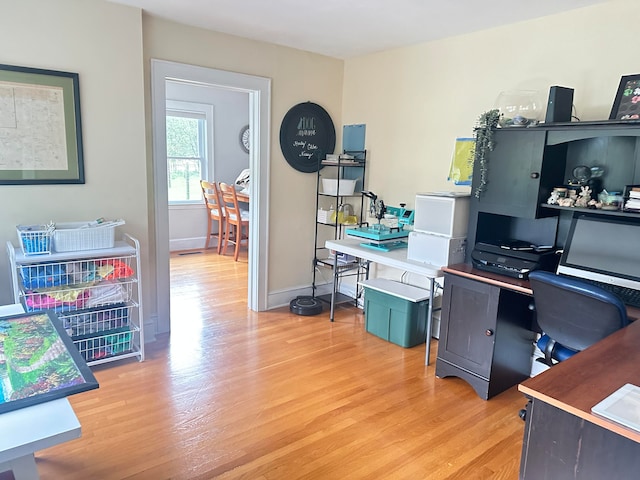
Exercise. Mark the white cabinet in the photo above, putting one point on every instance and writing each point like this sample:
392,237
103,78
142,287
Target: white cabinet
96,294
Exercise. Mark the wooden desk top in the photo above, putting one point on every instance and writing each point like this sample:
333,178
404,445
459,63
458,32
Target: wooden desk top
502,281
466,270
585,379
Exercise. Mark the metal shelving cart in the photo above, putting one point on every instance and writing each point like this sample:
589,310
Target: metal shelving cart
339,179
96,294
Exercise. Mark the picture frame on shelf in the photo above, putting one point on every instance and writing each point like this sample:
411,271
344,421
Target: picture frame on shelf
41,127
626,105
41,363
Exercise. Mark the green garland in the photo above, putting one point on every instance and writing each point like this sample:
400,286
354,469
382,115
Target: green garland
483,133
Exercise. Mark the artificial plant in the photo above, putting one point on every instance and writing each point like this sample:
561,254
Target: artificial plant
483,133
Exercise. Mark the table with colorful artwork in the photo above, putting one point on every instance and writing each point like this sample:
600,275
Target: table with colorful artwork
35,411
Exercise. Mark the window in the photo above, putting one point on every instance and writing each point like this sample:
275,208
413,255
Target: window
186,155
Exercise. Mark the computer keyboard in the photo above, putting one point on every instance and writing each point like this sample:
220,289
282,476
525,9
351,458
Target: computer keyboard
629,296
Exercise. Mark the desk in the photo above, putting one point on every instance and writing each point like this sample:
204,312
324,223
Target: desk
490,344
27,430
515,284
562,438
395,259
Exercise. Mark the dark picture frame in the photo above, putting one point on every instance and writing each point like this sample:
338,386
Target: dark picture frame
40,127
40,361
626,105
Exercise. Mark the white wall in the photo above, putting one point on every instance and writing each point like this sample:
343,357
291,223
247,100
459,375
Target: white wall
188,223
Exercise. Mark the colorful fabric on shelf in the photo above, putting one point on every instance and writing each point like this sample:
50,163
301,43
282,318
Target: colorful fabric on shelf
105,293
70,298
44,275
114,269
64,298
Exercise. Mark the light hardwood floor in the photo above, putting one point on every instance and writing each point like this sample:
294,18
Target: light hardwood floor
235,394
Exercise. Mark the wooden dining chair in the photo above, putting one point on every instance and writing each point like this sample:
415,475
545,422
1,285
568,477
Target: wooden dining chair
215,212
236,219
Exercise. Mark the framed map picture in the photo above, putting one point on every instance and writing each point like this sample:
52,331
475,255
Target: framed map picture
40,128
38,361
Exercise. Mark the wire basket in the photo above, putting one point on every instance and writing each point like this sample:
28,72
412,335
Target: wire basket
110,343
94,322
35,239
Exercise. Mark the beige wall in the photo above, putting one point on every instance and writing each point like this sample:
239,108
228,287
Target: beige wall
416,101
296,77
102,42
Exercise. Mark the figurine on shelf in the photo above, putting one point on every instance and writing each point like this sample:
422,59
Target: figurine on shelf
553,198
566,202
583,197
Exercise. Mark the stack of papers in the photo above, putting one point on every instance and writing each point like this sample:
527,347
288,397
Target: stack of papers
622,406
633,202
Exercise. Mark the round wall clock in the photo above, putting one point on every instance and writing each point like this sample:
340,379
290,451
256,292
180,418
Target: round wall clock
245,133
307,134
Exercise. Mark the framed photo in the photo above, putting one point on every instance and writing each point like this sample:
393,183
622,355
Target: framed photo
40,362
626,105
40,128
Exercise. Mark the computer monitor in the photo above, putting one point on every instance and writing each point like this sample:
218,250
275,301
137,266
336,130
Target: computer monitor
604,248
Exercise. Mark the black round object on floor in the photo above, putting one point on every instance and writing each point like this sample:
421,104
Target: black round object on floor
305,305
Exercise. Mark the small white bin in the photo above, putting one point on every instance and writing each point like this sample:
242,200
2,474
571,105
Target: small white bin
72,237
330,186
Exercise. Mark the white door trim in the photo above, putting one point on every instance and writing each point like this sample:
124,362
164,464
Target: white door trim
259,90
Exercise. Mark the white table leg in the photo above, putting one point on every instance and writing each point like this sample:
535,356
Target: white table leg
429,319
23,468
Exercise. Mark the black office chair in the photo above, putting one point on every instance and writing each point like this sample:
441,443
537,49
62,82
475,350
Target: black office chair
573,314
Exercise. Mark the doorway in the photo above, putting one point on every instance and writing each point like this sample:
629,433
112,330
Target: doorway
259,90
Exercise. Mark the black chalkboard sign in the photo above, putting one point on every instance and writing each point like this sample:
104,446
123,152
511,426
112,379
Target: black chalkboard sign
307,134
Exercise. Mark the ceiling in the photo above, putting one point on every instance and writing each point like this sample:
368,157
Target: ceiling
349,28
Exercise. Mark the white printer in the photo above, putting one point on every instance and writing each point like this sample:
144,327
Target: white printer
439,235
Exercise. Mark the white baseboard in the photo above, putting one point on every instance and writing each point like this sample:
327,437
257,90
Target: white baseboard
181,244
284,297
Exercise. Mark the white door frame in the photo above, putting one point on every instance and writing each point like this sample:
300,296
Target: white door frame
259,90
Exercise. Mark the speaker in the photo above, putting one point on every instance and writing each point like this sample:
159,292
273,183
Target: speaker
560,104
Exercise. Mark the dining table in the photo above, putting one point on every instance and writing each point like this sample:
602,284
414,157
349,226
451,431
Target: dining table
242,196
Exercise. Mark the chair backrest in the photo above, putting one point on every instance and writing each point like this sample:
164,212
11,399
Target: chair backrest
573,312
212,198
230,202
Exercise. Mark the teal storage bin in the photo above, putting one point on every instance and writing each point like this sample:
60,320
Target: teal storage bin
395,311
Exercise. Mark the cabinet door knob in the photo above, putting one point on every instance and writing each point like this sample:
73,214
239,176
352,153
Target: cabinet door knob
488,332
535,175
